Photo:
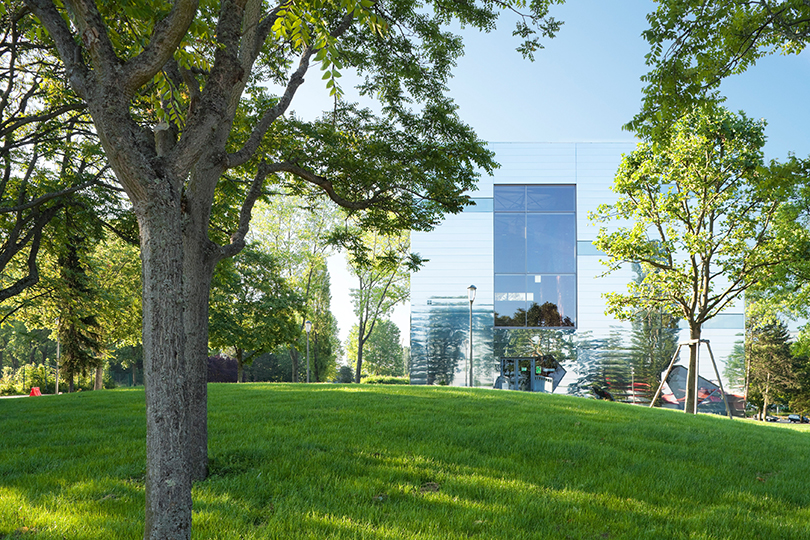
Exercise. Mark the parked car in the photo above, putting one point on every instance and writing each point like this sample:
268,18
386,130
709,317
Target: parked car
770,418
796,419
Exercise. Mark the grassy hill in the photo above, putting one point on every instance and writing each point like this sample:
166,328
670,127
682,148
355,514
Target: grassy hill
374,462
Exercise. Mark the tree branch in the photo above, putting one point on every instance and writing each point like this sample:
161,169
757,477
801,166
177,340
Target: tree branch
166,37
296,79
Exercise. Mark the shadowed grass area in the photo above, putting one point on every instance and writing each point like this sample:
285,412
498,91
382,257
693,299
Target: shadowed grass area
329,461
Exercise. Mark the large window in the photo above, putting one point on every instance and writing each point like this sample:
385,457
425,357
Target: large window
535,255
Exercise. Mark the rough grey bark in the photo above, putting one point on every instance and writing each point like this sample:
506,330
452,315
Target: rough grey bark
168,478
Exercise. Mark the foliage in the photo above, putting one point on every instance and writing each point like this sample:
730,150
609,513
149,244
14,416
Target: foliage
252,310
126,365
76,298
20,345
48,154
297,232
695,44
17,382
77,258
382,352
413,463
222,368
386,379
707,220
345,375
325,344
653,342
703,207
189,102
772,376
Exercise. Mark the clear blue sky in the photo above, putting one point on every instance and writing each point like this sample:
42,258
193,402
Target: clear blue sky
583,87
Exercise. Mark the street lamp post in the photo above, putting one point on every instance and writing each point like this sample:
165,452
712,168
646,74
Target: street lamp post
471,295
308,326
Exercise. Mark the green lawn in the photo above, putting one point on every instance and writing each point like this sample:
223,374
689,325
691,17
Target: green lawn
373,462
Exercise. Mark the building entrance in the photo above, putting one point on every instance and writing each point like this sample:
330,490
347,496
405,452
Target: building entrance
530,374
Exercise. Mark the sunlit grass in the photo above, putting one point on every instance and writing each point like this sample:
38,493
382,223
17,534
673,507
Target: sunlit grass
378,462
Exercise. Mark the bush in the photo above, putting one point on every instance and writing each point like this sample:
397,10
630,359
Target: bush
222,368
345,375
380,379
20,381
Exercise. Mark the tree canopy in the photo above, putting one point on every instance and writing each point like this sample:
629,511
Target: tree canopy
252,309
695,44
179,95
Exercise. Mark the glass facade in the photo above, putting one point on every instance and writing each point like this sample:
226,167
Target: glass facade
527,246
535,255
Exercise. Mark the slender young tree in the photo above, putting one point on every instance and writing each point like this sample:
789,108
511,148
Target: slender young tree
703,206
383,274
772,366
382,352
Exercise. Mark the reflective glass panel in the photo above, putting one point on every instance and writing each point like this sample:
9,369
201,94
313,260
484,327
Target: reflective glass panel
551,243
553,300
510,198
510,243
510,300
550,199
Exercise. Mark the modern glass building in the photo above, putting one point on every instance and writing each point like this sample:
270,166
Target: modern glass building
527,247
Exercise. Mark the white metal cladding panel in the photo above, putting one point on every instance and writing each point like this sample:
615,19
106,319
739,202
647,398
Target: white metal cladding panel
597,164
484,186
538,163
460,254
591,285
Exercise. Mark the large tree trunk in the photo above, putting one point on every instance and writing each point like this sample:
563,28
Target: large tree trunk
168,478
690,404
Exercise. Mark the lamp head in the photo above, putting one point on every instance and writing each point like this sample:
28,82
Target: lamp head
471,292
308,326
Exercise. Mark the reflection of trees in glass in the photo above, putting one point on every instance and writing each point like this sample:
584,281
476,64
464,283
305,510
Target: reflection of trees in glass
547,314
603,363
734,369
447,335
440,344
630,372
630,369
653,341
530,342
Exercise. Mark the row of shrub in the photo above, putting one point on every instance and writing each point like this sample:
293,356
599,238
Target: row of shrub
20,381
380,379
